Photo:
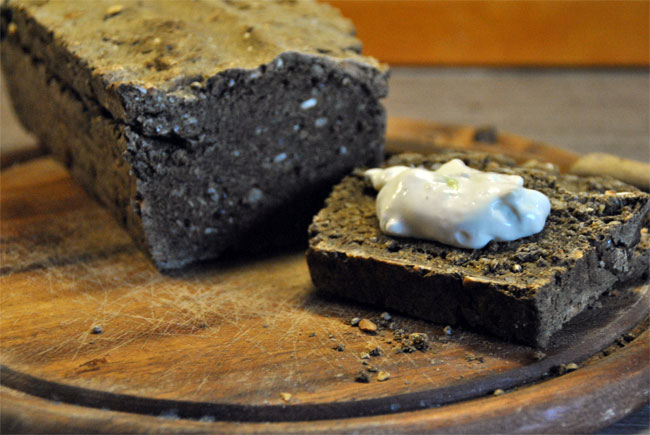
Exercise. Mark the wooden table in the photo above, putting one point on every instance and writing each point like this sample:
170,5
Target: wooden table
583,111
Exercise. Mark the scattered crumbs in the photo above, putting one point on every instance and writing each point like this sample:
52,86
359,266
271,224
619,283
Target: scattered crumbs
111,11
169,414
498,392
383,376
419,340
367,326
538,355
97,329
362,377
372,369
447,330
559,369
393,246
412,342
487,134
571,367
629,336
355,321
285,396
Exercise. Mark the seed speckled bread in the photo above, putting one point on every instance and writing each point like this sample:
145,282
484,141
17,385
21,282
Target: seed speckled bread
523,290
203,125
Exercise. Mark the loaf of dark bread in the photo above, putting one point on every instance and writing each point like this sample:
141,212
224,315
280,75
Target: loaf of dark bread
203,125
523,290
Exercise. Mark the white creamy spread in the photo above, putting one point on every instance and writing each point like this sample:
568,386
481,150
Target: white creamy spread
457,205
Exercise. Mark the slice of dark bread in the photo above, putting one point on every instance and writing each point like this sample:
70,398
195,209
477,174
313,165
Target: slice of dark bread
523,290
204,126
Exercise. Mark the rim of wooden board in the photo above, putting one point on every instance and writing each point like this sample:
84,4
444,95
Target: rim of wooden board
583,400
405,134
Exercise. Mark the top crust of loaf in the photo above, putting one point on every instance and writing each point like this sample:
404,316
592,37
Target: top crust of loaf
115,53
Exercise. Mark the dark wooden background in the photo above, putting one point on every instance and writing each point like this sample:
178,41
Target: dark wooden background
498,33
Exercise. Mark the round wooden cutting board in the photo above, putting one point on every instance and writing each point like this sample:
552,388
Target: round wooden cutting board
94,339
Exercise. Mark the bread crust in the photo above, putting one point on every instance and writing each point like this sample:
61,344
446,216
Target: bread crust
523,290
197,144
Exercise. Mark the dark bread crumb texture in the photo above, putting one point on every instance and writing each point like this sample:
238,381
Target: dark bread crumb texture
204,126
523,290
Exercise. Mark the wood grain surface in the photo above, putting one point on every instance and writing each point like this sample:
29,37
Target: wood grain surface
228,341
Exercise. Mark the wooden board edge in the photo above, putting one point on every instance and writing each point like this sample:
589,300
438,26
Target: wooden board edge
20,155
410,135
579,401
575,344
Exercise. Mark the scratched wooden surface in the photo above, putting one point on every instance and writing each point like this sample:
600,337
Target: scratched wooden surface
178,315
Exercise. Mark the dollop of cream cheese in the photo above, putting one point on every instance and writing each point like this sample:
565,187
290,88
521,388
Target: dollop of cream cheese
457,205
